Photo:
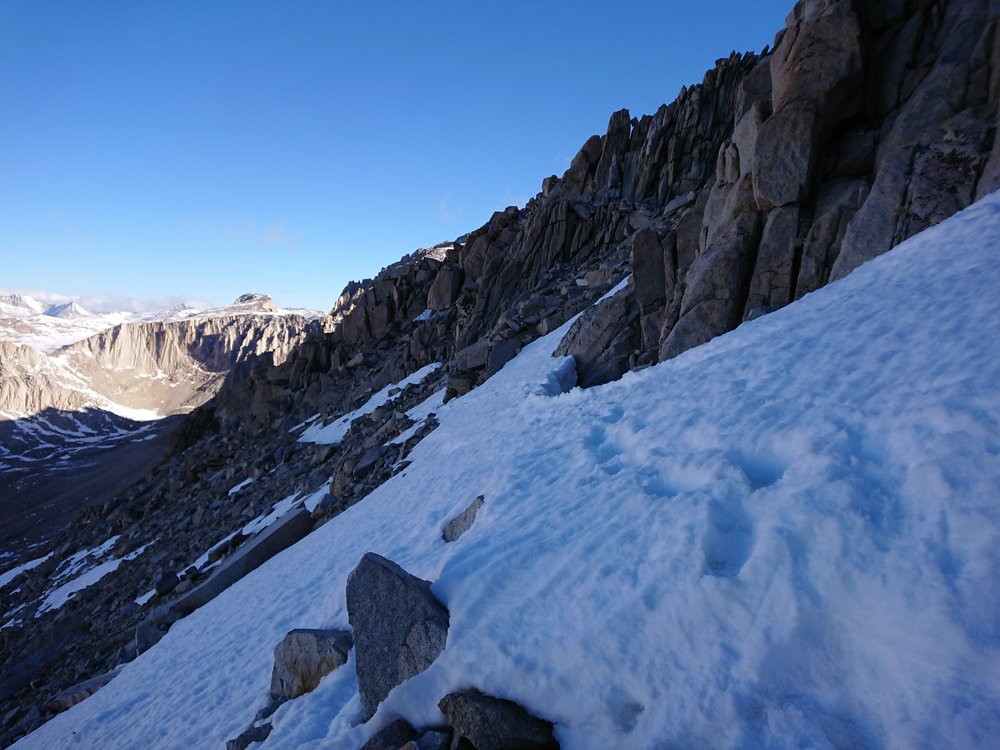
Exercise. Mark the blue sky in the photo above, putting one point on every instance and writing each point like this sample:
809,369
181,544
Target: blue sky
200,150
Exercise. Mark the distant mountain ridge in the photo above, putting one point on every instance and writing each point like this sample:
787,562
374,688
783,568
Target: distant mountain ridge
162,366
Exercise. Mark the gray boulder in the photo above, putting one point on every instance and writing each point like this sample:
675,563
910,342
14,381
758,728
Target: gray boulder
394,736
473,356
602,339
399,627
463,521
494,724
304,657
166,583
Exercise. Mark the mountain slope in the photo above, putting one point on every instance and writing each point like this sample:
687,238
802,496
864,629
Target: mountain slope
786,537
867,122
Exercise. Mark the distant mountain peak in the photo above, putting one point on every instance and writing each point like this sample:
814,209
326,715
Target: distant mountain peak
67,310
256,300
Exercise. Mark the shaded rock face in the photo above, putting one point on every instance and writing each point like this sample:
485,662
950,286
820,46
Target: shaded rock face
494,724
394,736
399,627
304,657
863,127
602,339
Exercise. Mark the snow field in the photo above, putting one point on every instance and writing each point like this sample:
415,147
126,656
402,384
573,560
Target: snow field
786,538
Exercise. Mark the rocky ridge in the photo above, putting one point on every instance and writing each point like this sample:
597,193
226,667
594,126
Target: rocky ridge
865,124
163,366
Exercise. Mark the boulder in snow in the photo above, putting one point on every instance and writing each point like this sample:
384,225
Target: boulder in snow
395,735
494,724
166,583
399,627
430,740
304,657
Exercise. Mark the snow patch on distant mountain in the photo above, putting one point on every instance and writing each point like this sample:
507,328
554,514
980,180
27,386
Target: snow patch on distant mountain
19,306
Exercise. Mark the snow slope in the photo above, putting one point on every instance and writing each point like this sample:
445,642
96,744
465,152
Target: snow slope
786,538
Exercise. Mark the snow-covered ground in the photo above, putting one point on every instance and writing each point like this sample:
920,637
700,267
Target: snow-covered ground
786,538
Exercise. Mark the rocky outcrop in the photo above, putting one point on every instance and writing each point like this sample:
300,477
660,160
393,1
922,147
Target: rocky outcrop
399,627
868,123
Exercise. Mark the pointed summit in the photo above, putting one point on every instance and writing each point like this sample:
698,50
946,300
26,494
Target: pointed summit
67,310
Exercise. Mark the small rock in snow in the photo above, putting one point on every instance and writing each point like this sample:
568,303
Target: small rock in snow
463,521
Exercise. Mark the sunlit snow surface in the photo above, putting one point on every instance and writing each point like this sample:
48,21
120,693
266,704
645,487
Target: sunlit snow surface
786,538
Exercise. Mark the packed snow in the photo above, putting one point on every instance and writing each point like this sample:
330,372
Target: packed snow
334,432
786,538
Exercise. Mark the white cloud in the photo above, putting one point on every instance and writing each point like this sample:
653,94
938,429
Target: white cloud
111,302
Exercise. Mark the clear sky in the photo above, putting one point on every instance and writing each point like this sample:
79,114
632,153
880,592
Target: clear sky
175,150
